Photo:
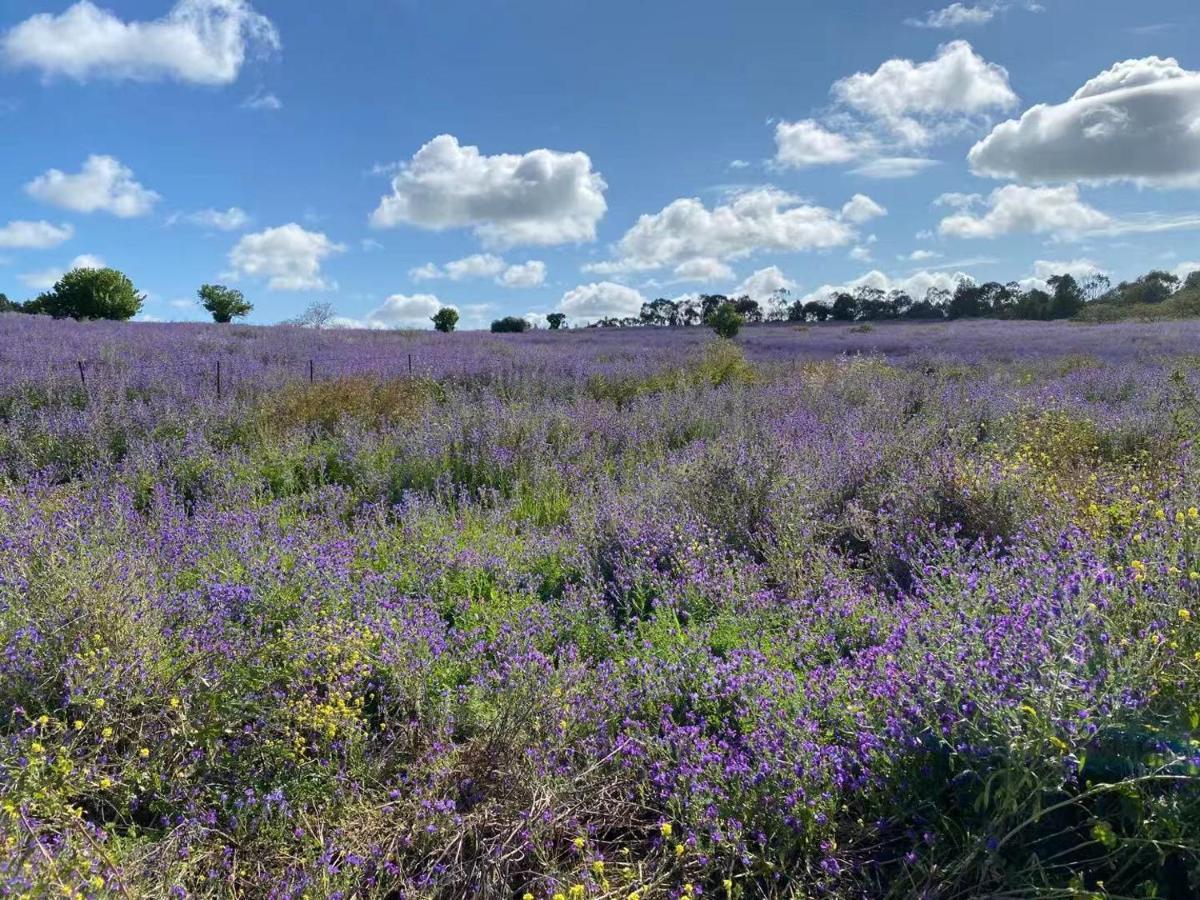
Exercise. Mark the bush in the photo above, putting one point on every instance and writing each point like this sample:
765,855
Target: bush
90,294
726,321
224,303
557,321
445,319
510,325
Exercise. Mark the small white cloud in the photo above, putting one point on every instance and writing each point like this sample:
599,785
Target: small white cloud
763,219
198,41
957,200
222,220
860,254
44,279
890,167
590,302
861,208
288,256
541,197
103,185
703,269
24,235
762,284
910,98
405,311
262,100
956,15
739,164
807,143
526,274
1016,208
481,265
922,256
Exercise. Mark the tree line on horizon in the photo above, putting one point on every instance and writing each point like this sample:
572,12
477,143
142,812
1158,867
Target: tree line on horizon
1065,298
105,293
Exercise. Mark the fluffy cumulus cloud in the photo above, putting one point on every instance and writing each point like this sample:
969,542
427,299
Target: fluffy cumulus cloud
484,265
44,279
1137,122
1056,211
703,269
288,256
910,97
23,235
1045,269
230,219
602,300
763,283
808,143
527,274
102,185
541,197
861,208
197,41
763,219
880,116
405,311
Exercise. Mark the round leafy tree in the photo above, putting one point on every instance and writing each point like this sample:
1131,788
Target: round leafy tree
510,325
445,319
556,321
726,321
225,304
90,294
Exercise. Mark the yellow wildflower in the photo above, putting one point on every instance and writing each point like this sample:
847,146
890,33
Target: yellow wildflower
665,829
98,703
579,842
144,752
1185,614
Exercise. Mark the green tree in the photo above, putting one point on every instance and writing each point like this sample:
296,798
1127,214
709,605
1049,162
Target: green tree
556,321
445,319
726,321
1068,297
7,305
510,325
90,294
225,304
845,308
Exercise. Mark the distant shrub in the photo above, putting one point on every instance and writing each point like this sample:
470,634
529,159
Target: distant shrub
727,321
558,320
90,294
445,319
224,304
510,325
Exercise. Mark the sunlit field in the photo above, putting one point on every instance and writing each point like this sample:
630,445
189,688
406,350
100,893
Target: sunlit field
902,610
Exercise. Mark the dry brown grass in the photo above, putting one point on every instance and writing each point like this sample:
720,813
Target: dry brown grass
363,400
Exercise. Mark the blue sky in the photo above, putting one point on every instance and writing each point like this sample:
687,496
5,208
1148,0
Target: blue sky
526,156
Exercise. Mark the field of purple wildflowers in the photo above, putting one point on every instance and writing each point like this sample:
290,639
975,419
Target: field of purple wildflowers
911,611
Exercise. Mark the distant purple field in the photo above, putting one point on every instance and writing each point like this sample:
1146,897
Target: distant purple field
904,612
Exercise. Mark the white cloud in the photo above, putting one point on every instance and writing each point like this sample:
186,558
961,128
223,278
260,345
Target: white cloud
1045,269
405,311
484,265
808,143
763,283
739,164
887,167
44,279
703,269
103,185
223,220
262,100
288,256
1137,122
956,15
763,219
911,98
861,208
541,197
1041,210
922,255
957,200
24,235
1183,270
526,274
860,254
198,41
477,266
589,302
